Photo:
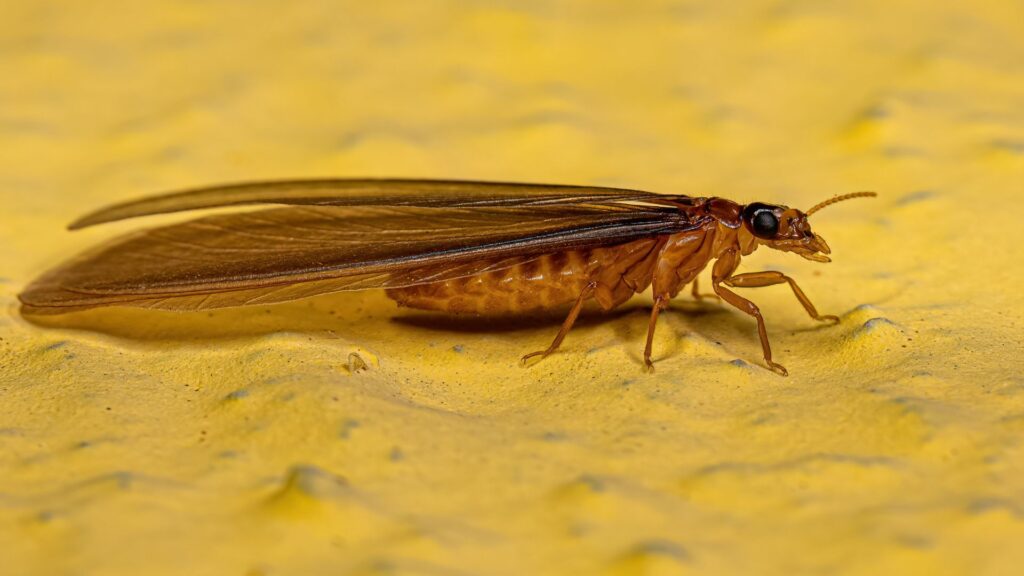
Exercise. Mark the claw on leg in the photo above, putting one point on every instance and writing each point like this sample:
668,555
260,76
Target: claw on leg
542,353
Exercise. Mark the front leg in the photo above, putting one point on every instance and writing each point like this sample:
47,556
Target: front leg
771,278
724,267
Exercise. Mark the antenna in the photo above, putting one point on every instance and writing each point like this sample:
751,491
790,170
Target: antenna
840,198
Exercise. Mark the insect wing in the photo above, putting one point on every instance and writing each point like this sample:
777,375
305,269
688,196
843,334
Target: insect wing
286,253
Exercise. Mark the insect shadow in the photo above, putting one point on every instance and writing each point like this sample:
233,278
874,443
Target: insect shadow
470,324
345,315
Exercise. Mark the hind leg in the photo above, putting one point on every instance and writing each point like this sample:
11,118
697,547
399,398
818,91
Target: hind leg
574,313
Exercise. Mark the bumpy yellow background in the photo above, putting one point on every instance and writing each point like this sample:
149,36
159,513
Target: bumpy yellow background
237,442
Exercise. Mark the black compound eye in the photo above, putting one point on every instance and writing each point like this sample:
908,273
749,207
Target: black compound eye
765,224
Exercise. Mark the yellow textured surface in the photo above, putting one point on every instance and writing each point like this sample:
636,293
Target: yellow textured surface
237,442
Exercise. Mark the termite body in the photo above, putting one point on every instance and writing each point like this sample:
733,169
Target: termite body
449,246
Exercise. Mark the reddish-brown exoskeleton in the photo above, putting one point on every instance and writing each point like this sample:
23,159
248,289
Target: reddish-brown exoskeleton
450,246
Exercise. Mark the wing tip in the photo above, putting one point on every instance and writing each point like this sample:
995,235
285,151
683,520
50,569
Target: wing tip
81,223
101,216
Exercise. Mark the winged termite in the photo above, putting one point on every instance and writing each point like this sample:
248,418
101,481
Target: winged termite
450,246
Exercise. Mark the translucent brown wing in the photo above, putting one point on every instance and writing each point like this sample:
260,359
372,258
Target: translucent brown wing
281,254
365,192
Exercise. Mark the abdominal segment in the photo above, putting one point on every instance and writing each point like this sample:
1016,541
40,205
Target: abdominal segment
547,282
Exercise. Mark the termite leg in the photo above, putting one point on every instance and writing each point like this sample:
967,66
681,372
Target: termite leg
752,309
700,297
566,325
770,278
660,303
724,267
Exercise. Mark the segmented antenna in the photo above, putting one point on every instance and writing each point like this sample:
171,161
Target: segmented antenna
840,198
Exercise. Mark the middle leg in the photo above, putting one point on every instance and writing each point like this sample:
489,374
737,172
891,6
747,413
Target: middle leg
660,303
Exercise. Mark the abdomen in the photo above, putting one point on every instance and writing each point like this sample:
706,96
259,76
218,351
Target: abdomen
548,282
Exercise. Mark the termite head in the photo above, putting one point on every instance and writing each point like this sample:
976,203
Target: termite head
787,229
784,228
